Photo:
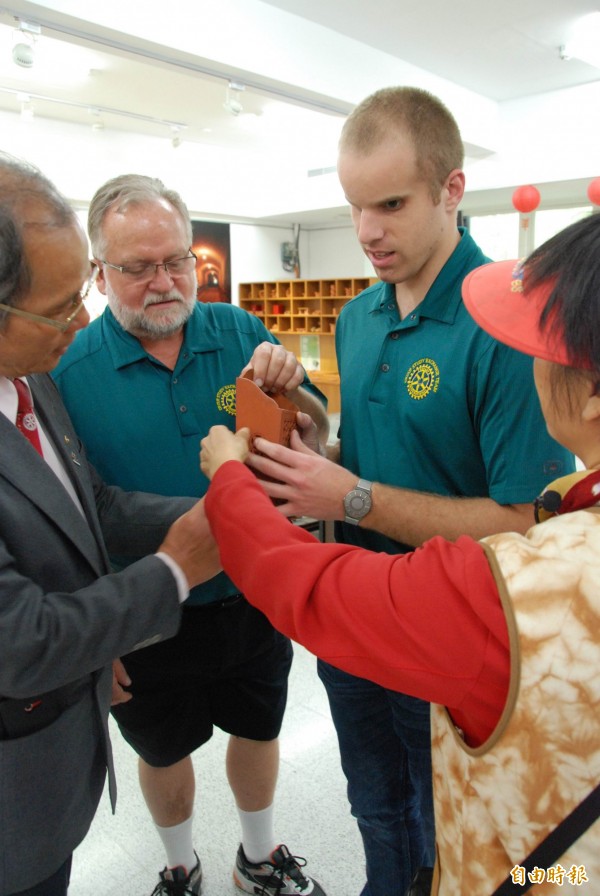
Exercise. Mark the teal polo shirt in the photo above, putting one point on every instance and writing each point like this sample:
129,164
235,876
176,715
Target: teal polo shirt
433,403
140,422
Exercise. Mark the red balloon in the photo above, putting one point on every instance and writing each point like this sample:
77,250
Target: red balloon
526,199
593,191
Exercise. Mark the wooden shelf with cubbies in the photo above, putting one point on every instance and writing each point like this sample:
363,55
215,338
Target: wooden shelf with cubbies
300,306
291,309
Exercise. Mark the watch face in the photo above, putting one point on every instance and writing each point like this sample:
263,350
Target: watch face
357,503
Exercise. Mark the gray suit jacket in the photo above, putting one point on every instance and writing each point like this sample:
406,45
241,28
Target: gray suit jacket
63,619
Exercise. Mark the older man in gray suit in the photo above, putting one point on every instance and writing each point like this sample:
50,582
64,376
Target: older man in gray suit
63,616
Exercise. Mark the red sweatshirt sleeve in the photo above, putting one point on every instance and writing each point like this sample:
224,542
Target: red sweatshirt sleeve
429,623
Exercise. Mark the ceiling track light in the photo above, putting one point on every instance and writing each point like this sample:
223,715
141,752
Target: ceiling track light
232,102
152,54
23,52
99,110
26,106
97,123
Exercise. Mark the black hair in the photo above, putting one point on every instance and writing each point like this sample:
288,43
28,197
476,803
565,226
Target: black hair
12,276
27,199
572,260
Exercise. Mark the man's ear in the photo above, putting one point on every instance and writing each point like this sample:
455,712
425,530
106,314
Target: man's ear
100,279
455,188
591,409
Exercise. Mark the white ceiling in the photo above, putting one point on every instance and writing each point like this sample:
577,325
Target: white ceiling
501,51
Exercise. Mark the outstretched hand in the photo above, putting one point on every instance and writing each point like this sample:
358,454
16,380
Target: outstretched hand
221,445
305,483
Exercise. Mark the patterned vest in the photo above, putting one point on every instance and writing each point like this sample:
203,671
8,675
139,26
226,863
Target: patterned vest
495,803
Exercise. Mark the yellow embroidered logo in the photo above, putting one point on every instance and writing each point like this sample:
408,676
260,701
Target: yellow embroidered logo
422,378
226,399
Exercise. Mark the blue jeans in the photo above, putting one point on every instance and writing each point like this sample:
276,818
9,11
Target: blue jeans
385,748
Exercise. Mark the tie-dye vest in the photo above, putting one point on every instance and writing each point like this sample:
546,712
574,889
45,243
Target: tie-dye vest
494,804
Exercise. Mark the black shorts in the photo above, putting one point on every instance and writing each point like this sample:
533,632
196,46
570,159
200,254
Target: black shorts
227,666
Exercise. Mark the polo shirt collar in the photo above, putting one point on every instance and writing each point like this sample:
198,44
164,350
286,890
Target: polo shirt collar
126,349
442,301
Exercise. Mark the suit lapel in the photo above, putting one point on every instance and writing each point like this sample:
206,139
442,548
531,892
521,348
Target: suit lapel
27,471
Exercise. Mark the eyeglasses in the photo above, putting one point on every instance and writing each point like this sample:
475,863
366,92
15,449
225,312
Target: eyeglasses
61,325
139,273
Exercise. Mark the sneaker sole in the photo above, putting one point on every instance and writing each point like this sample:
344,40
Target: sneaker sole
244,886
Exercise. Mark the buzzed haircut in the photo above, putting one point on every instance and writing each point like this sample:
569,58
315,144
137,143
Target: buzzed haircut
422,117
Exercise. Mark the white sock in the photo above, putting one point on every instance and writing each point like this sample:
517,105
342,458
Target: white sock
258,836
177,841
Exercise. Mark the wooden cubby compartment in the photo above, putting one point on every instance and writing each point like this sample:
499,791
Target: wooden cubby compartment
301,306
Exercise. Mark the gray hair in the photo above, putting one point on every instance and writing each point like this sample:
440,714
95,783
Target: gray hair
126,190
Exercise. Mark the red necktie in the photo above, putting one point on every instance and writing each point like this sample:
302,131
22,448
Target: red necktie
26,422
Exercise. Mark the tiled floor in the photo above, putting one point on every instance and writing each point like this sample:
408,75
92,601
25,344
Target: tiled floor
122,854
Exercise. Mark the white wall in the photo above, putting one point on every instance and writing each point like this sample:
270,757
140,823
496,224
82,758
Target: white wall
255,254
335,253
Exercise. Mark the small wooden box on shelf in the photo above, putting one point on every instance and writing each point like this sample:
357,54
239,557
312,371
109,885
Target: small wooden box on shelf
293,308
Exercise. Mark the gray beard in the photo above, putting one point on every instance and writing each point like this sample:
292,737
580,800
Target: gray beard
142,325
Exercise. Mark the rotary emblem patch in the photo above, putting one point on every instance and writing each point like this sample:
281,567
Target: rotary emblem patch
422,378
29,422
226,399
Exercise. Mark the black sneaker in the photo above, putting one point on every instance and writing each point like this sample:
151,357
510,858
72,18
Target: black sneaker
282,876
177,881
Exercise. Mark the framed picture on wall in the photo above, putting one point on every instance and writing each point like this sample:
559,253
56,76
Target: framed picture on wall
211,246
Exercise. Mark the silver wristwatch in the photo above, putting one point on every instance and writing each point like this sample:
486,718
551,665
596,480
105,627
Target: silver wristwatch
358,502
